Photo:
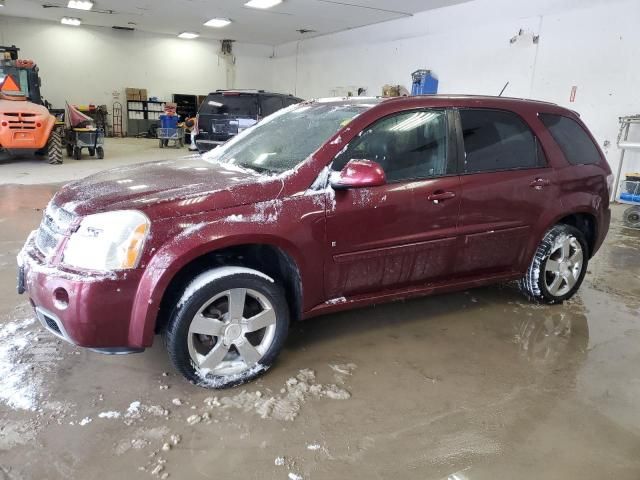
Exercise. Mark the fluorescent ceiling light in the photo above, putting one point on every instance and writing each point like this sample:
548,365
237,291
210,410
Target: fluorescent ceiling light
80,4
189,35
218,22
70,21
262,3
1,3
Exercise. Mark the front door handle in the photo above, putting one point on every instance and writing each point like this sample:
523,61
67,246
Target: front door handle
540,183
438,196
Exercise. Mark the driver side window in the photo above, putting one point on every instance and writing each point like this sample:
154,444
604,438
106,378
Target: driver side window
408,145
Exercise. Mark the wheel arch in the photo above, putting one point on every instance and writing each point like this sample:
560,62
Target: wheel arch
586,222
159,289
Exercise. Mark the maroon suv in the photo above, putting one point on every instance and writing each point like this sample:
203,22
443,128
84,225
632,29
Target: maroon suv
323,206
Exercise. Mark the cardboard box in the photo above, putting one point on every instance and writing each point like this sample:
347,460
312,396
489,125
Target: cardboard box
136,94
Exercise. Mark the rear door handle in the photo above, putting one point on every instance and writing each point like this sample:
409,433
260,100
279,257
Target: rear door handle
438,196
540,183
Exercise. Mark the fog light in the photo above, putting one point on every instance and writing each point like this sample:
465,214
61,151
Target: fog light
60,298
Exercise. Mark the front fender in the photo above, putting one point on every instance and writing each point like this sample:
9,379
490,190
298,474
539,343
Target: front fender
173,257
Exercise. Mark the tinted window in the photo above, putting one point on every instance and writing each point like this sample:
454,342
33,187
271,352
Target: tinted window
230,104
408,145
270,104
291,101
496,140
576,145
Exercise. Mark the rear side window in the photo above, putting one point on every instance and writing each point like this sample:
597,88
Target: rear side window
230,104
497,140
577,146
270,104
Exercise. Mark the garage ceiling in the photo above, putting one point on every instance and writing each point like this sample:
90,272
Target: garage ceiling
272,27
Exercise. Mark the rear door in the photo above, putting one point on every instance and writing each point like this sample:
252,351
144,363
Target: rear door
402,233
506,187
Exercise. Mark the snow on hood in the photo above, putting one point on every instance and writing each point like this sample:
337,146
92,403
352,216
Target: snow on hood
184,182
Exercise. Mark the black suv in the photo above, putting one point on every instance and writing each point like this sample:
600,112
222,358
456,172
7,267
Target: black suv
225,113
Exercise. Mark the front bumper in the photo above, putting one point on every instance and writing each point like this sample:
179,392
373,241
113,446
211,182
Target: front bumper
98,312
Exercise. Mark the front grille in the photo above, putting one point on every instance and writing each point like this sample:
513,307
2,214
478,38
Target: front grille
55,224
51,323
46,241
21,121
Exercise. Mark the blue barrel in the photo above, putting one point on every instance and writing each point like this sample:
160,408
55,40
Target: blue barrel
423,83
168,121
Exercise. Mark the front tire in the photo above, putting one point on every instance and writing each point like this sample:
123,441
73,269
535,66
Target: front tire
54,147
558,267
228,328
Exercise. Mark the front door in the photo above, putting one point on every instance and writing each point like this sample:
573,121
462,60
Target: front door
506,187
404,232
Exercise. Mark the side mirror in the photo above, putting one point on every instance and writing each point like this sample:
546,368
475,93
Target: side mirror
358,174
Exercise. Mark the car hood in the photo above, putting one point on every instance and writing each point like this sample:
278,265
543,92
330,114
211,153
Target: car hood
168,188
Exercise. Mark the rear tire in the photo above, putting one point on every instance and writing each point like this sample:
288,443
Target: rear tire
631,217
558,267
228,329
100,152
54,147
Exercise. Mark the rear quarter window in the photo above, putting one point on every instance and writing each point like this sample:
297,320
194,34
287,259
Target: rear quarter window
573,140
270,104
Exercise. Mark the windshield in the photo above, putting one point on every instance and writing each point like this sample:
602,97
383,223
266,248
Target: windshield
286,138
240,105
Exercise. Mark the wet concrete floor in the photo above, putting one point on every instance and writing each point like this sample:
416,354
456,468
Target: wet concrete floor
474,385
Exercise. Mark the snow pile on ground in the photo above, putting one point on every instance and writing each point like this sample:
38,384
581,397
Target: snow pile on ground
26,356
287,404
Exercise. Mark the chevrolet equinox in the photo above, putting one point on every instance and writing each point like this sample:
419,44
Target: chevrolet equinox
323,206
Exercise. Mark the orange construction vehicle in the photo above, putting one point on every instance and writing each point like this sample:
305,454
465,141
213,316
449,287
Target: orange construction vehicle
27,126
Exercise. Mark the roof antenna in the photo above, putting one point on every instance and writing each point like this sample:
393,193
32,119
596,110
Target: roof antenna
503,89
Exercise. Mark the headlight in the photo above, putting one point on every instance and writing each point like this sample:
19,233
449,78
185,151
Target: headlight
108,241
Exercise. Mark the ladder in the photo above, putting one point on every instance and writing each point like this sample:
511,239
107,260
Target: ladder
117,119
624,144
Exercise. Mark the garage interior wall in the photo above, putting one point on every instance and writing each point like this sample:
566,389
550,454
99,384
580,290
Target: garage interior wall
591,44
87,64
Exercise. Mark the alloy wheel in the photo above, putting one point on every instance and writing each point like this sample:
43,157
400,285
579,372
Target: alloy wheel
231,332
564,266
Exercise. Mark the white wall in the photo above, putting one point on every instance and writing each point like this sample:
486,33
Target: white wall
86,64
593,44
